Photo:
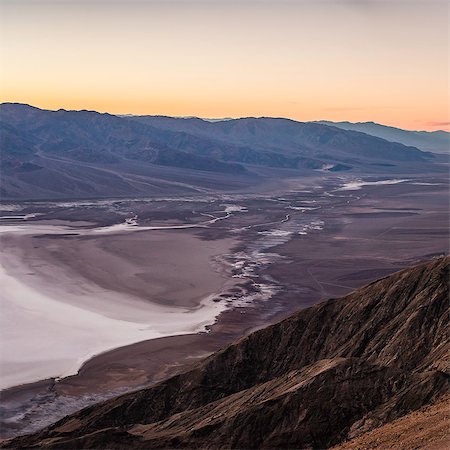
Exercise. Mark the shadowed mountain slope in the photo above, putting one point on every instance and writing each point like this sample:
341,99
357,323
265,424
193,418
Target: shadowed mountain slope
61,154
73,154
326,374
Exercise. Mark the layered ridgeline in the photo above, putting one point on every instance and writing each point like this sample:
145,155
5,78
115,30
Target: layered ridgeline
432,141
325,375
61,154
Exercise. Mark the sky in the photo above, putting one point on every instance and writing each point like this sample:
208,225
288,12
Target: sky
357,60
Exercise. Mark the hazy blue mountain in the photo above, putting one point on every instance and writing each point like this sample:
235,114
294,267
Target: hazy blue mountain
432,141
46,154
290,138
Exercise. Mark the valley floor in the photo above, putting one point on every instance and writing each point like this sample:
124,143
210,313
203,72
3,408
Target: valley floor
65,300
249,260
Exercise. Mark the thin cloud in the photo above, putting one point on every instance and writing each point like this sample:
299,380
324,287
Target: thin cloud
363,108
438,124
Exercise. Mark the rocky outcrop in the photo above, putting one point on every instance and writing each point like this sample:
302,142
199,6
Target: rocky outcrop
427,428
326,374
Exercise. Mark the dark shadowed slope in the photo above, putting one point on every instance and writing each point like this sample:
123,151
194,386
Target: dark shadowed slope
61,154
326,374
431,141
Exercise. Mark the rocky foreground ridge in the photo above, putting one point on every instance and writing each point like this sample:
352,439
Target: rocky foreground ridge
323,376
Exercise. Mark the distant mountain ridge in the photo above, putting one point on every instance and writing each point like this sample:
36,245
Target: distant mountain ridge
432,141
326,374
288,137
60,154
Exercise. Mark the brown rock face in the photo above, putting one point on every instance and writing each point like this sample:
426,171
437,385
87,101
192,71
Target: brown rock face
327,374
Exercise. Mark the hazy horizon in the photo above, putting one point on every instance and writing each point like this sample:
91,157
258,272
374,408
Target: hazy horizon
218,119
323,60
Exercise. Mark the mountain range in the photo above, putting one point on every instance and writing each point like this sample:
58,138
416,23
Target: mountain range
69,154
330,374
432,141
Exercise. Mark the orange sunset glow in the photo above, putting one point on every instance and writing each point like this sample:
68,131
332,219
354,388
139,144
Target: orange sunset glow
308,60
